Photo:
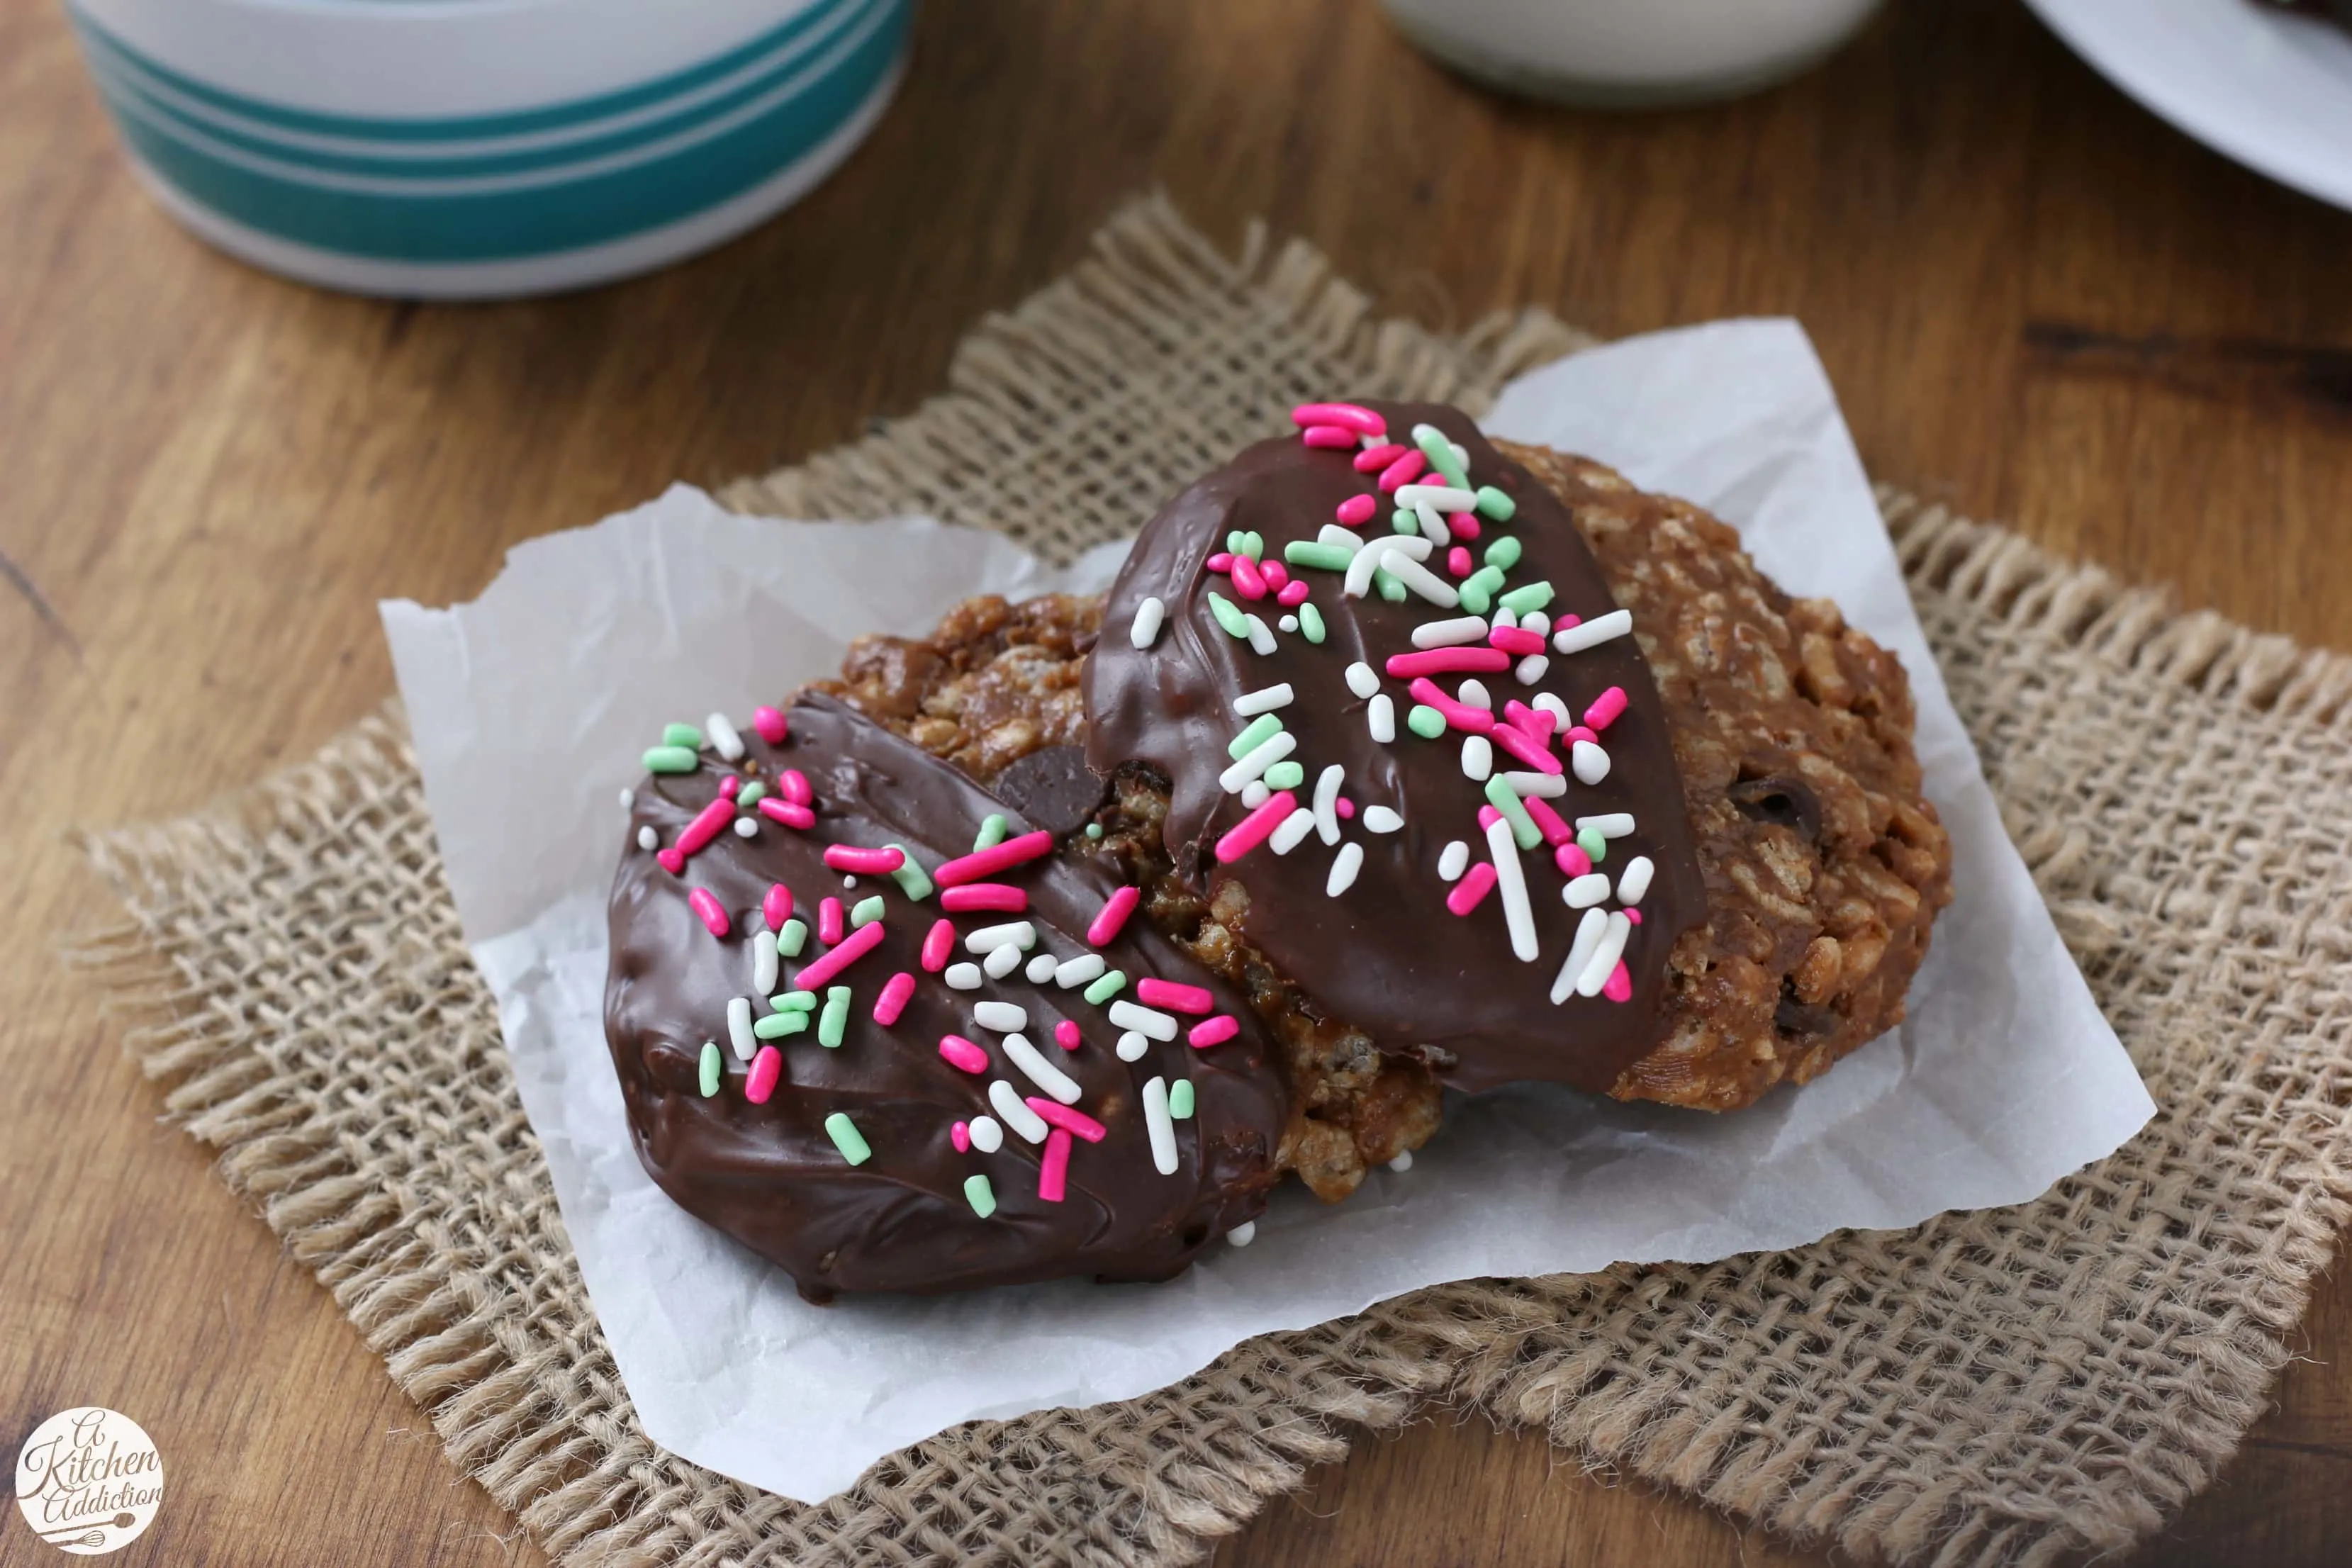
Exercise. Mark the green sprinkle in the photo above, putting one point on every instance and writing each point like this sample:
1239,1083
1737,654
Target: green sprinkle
793,937
1284,774
1233,543
1112,982
834,1019
1494,503
685,735
1322,557
749,796
1094,830
1594,846
1503,554
980,1196
1405,522
1425,722
1228,616
864,911
909,875
1180,1099
671,760
710,1065
794,1001
992,829
1390,585
1253,545
778,1026
1527,600
1262,729
1440,453
1310,623
1479,588
847,1139
1505,799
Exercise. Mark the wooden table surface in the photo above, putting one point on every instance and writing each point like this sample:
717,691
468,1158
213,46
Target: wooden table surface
2039,303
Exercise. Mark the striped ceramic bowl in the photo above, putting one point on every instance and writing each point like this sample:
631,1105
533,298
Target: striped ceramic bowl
474,148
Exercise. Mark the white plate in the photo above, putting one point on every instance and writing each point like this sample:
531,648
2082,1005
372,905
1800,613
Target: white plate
2273,90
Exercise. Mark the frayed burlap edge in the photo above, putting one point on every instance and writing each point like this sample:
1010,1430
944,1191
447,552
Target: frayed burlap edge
2002,1387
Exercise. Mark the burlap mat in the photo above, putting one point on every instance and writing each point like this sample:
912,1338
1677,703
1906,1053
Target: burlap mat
1991,1388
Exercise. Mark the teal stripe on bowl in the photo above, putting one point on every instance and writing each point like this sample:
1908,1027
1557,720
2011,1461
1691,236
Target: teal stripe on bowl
538,211
135,90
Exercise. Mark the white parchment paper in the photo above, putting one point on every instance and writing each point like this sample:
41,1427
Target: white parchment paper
530,705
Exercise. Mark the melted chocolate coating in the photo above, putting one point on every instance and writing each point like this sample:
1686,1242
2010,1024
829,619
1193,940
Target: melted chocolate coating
768,1174
1386,955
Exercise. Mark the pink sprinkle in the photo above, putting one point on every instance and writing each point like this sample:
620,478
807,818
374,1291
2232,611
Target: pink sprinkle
1548,821
1356,510
1293,595
1535,723
961,1052
863,862
1066,1035
794,785
1352,416
858,943
1565,622
1277,575
1464,525
996,896
1578,733
961,1136
828,921
1371,459
1517,641
1633,917
1572,861
1174,996
1533,753
938,945
1345,807
1330,437
771,724
766,1068
708,825
729,785
1475,884
776,808
1458,562
1470,659
1403,472
895,997
1477,720
1223,561
1054,1170
1247,581
707,909
1213,1031
1619,987
1251,831
1105,927
671,861
1488,817
1606,707
777,906
1069,1121
988,862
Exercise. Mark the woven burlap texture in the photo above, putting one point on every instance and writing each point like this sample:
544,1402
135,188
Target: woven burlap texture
2004,1387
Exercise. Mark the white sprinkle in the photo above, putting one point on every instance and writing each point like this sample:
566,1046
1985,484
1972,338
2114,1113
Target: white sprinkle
1017,1116
1243,1234
1460,455
1603,962
1444,498
1043,1073
1288,624
1381,819
1449,633
1549,702
1402,1163
962,977
1293,831
1536,621
988,938
1001,960
1587,890
1261,639
1511,882
724,737
628,798
1412,545
1419,578
1432,526
1530,669
1131,1046
1254,794
739,1028
1344,867
1635,880
1374,555
747,827
1609,823
849,882
1002,1017
1477,758
1156,1123
1326,802
1361,681
1592,632
1453,860
987,1134
1149,615
1256,760
1040,969
1587,761
1589,933
647,839
1506,616
1472,694
763,963
1346,539
1083,970
1147,1021
1379,717
1549,786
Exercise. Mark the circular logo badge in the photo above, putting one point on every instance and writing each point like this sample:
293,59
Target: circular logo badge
89,1481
